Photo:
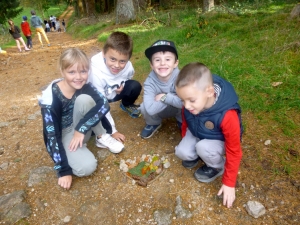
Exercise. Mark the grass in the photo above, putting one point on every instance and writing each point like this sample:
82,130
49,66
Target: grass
7,40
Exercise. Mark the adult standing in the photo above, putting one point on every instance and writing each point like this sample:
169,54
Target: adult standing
36,23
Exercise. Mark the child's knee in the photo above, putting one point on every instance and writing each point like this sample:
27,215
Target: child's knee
180,153
86,169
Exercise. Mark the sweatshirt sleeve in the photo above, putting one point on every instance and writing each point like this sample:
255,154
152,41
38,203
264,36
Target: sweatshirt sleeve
231,129
53,142
96,114
173,100
151,105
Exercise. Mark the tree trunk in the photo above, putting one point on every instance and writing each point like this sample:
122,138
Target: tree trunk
124,11
90,7
140,5
208,5
296,11
81,10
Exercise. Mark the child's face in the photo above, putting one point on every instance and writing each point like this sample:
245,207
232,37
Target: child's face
163,64
115,61
194,99
75,76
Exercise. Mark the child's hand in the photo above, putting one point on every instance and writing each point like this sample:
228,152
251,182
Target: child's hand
76,141
228,195
65,181
158,97
120,89
118,136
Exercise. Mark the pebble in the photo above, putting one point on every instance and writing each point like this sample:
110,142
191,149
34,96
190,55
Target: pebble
171,180
67,219
267,142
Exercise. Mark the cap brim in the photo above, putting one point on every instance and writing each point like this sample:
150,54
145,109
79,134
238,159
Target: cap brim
159,48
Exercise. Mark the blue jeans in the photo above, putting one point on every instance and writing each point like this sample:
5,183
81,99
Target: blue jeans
29,41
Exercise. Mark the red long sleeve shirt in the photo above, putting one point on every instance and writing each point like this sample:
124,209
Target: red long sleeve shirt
230,127
25,28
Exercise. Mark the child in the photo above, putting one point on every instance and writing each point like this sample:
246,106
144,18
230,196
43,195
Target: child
57,25
71,110
160,98
47,27
26,31
212,115
111,73
36,22
15,33
64,24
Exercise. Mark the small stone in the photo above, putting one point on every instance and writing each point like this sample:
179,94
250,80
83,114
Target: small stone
267,142
138,220
67,219
255,209
31,117
108,177
4,166
4,124
171,180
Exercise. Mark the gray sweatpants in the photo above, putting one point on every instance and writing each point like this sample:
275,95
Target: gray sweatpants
82,161
168,112
210,151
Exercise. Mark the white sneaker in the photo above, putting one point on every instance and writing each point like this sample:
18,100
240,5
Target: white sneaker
107,141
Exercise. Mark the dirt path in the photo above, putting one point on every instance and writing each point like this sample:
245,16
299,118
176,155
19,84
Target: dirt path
108,197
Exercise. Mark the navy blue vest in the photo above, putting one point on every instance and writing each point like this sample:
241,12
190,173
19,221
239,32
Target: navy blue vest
206,125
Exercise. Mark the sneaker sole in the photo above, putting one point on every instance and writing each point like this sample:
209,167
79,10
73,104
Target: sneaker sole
210,179
152,133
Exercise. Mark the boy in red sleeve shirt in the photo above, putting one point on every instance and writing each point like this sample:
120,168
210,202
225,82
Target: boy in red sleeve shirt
26,31
211,127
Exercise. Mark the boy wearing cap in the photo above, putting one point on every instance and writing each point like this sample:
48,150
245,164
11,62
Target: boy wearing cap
160,99
26,31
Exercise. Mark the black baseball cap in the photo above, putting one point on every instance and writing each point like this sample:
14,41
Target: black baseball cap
161,46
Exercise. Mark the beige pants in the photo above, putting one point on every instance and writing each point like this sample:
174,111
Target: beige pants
40,31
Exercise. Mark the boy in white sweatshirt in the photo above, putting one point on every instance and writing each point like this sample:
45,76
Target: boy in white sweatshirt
160,98
111,73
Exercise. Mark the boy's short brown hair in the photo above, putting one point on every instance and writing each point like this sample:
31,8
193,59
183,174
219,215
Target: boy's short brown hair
194,73
120,42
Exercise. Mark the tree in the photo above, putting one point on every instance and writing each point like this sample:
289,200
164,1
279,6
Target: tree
90,7
39,5
9,9
124,11
208,5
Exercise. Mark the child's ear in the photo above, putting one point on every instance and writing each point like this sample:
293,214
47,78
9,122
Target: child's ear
176,63
210,91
